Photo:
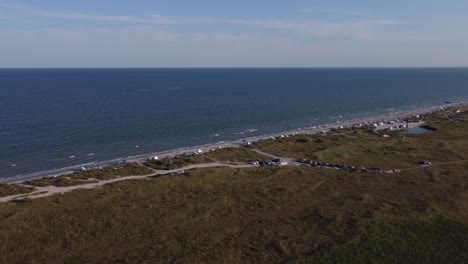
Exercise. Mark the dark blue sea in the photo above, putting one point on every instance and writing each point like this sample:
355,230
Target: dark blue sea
54,118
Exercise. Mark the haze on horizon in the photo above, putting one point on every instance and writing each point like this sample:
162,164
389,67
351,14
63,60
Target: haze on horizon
209,33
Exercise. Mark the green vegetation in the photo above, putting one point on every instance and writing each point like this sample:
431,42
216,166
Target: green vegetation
219,155
265,214
235,155
360,147
12,189
59,181
111,172
179,162
438,240
229,215
91,176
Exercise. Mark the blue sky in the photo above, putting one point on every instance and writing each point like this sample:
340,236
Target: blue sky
294,33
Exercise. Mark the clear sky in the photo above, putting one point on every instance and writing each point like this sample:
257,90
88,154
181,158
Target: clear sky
241,33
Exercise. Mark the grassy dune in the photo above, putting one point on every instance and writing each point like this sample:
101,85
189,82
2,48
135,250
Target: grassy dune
91,175
12,189
221,155
236,155
179,162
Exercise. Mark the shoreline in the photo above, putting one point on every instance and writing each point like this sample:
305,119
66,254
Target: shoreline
235,143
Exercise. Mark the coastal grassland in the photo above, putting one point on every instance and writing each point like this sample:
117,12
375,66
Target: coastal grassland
59,181
13,189
178,162
408,241
91,175
249,215
359,147
240,154
230,154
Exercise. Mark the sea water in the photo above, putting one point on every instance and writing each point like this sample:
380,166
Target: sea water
54,118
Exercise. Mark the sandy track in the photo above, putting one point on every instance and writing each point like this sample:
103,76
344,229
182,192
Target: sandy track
51,190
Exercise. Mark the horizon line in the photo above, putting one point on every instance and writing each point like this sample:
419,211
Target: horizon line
237,67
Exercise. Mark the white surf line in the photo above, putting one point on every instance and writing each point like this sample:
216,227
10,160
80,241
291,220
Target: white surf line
235,143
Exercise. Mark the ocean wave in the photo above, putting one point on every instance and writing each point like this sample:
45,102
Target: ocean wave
148,90
136,157
170,88
250,130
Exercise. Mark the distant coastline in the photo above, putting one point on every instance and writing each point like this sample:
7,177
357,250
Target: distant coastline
59,118
326,127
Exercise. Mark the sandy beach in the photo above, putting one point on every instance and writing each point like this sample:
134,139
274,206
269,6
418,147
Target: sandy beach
324,128
381,123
